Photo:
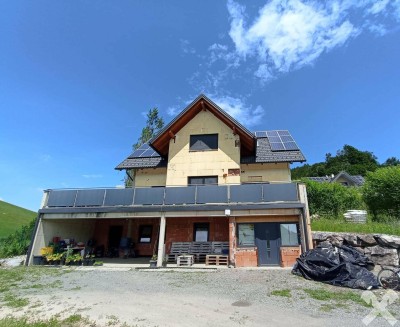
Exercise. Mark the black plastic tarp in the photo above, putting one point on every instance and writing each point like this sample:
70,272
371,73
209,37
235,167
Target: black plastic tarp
340,266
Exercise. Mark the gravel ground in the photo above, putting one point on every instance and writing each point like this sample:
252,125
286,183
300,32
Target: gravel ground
184,297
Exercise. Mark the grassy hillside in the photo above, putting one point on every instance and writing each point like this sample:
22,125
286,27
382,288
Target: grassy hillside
12,218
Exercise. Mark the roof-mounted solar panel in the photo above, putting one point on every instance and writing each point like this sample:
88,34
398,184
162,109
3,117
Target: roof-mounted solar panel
277,146
261,134
281,141
286,138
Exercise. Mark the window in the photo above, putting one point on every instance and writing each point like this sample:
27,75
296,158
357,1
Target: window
145,232
203,180
200,232
204,142
246,234
289,234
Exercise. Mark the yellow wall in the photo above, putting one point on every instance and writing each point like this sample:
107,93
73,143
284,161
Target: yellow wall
151,177
267,172
182,163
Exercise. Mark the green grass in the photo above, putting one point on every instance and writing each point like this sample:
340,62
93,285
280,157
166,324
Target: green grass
337,225
72,321
337,296
12,218
284,293
13,301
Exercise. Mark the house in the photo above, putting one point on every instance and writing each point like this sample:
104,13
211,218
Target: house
343,178
202,178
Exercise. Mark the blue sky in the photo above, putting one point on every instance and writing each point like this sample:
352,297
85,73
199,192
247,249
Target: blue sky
76,78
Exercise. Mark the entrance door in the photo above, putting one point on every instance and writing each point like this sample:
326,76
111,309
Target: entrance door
268,242
114,236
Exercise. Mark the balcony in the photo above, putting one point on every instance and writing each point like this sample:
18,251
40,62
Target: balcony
246,196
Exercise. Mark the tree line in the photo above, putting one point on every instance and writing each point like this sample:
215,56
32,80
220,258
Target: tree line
349,159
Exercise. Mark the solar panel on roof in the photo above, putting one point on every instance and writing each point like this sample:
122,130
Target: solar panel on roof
272,133
277,146
283,133
137,153
261,134
290,146
147,153
286,138
281,141
275,139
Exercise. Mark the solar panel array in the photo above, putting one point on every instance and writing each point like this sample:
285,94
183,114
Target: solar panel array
279,140
144,151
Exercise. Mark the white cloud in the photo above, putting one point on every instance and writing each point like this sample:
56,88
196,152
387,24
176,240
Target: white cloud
378,6
1,199
238,109
186,47
92,176
288,35
173,110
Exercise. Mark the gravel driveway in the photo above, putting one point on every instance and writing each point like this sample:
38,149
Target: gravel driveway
184,297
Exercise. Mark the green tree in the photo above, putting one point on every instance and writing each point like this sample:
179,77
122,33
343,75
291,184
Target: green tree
381,193
392,161
154,124
348,159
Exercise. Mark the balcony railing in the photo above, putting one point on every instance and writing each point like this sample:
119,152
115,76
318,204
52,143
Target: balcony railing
167,196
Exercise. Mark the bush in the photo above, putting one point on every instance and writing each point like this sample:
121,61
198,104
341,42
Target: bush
18,242
332,199
381,193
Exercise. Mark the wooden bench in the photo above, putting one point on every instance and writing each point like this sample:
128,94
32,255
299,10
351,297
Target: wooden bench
199,250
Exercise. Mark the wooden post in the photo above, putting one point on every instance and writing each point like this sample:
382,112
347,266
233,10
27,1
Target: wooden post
161,240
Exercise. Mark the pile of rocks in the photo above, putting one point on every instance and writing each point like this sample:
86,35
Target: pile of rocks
382,249
13,262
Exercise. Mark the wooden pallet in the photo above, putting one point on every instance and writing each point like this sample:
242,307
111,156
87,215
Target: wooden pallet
217,260
178,248
200,250
184,260
219,247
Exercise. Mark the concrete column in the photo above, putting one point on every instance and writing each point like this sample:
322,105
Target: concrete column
161,240
306,215
232,240
129,229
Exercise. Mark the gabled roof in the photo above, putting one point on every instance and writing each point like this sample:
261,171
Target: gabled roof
264,154
357,180
258,147
161,141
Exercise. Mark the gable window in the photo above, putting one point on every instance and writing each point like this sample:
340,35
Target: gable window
200,232
145,232
203,142
203,180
